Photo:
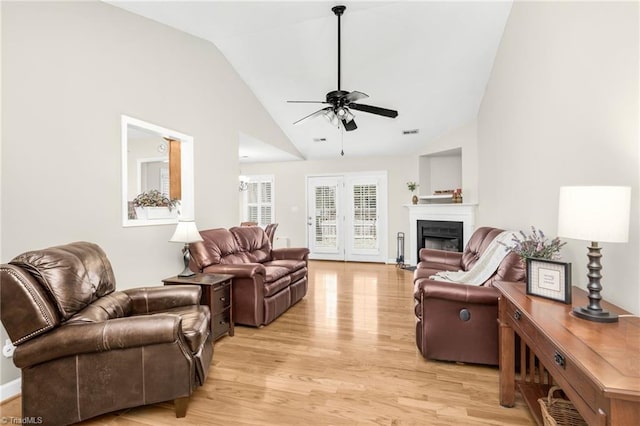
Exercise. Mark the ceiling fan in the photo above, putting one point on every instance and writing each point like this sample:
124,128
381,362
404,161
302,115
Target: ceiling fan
340,101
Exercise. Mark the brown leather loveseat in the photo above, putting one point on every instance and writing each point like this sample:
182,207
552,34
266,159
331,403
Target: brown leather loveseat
86,349
266,281
458,322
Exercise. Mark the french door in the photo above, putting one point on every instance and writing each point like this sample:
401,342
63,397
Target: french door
347,217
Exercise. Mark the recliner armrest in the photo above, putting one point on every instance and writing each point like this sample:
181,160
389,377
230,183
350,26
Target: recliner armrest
240,270
294,253
78,338
431,258
146,300
456,292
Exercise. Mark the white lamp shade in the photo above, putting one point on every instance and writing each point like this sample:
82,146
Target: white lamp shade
186,232
594,213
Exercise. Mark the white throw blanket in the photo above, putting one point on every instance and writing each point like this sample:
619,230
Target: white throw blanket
484,267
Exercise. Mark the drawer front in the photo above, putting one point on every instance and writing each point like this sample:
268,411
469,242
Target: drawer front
220,324
578,387
522,325
221,298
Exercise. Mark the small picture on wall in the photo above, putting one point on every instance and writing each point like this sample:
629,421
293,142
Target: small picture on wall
549,279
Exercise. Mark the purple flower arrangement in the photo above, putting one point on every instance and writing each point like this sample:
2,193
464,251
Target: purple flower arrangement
535,245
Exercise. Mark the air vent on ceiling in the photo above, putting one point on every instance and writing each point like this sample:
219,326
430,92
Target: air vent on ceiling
319,139
410,132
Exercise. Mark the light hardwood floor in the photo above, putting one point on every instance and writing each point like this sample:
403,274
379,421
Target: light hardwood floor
344,355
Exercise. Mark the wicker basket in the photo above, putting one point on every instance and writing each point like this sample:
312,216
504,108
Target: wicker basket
559,411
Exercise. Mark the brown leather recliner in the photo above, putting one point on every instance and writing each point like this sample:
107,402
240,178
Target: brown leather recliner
85,349
458,322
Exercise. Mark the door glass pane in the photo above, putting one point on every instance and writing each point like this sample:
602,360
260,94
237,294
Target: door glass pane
365,215
325,217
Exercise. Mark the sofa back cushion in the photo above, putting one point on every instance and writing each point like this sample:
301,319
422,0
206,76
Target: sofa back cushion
218,247
477,244
73,275
254,242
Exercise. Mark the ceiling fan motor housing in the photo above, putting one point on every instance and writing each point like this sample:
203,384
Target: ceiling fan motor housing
336,97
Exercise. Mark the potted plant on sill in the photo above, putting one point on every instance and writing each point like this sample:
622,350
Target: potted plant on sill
412,187
155,205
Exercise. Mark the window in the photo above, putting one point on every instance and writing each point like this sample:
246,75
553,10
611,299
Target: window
257,199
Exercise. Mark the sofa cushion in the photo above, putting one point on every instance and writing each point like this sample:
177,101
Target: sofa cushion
290,264
74,275
477,244
253,242
274,273
297,275
115,305
272,287
218,246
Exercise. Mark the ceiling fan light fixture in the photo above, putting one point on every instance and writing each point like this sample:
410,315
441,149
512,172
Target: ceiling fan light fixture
331,117
348,116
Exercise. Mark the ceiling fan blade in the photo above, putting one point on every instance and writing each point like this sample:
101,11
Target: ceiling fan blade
375,110
349,125
315,114
307,102
355,96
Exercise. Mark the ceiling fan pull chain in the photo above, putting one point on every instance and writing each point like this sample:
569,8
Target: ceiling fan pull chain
341,140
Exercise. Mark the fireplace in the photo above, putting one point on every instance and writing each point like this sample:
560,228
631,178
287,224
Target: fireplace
440,235
452,212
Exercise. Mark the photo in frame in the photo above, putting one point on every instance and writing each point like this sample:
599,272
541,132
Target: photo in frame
549,279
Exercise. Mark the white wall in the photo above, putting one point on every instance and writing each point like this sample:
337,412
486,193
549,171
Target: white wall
445,173
561,108
69,70
290,193
464,138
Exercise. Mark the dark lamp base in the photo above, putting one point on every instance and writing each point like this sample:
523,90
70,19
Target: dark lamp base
597,316
186,256
186,273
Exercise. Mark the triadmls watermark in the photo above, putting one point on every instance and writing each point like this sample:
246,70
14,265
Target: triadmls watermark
21,420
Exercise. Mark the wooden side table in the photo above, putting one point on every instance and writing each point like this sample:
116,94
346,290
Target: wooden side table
216,294
595,364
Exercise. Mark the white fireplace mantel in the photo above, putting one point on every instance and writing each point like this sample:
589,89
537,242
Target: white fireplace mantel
465,213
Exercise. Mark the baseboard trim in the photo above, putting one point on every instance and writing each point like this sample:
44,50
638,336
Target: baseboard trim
10,390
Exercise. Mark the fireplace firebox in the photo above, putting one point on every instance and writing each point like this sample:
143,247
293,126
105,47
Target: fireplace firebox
440,235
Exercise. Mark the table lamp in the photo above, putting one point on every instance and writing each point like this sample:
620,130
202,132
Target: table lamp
186,232
596,214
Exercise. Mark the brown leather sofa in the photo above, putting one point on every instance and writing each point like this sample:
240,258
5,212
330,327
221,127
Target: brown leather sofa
85,349
266,281
458,322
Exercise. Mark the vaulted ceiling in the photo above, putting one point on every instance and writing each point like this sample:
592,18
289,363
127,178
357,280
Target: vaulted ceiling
429,60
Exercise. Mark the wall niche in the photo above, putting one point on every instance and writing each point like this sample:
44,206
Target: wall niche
439,171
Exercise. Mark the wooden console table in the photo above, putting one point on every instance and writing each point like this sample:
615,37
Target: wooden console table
597,365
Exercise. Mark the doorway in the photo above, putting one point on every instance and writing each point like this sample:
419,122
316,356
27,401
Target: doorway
347,217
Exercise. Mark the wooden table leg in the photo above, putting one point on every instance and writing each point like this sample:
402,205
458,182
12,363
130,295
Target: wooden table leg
506,347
